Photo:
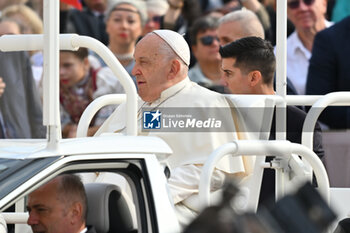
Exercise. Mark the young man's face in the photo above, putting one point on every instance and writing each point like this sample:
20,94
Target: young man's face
233,78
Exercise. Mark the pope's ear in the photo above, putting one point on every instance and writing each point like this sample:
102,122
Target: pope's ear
254,78
174,69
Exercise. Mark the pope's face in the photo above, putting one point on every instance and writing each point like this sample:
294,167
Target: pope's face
151,68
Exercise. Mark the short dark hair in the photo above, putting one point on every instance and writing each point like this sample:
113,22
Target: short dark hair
202,24
72,189
252,53
81,53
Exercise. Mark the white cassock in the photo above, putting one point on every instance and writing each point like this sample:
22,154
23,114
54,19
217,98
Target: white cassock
190,149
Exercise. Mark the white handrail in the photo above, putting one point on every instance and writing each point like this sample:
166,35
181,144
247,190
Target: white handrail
120,72
15,218
280,148
93,108
73,42
331,99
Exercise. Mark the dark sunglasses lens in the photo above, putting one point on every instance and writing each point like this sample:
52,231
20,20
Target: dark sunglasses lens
309,2
293,4
156,19
207,40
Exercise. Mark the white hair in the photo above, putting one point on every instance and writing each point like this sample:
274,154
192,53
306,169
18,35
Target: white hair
252,25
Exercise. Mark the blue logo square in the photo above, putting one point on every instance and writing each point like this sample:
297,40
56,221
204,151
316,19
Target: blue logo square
152,119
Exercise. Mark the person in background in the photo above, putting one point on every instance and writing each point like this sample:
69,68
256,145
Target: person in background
6,3
248,66
9,27
124,24
238,24
243,23
155,10
329,70
205,47
59,206
30,23
20,104
271,8
88,22
308,17
77,85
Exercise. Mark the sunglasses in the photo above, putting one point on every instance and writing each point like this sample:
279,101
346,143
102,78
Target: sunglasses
156,19
295,4
208,40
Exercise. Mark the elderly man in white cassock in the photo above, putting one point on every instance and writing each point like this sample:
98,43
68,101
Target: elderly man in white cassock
162,60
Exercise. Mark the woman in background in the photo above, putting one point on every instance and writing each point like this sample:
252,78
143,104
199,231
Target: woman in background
124,25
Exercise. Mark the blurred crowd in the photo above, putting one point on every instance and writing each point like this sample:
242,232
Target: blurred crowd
316,62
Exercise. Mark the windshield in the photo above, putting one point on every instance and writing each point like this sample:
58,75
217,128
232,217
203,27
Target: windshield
14,172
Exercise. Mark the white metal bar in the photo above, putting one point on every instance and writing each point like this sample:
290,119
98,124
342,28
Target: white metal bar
73,42
92,109
260,148
25,42
281,80
281,66
281,47
15,218
208,168
302,100
51,110
120,72
339,98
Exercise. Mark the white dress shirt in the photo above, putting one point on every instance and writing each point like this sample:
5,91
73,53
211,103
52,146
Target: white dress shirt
298,61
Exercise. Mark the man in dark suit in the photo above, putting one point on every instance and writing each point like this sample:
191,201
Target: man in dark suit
59,206
88,22
248,66
329,70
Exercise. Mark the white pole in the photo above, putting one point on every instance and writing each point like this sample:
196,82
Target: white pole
281,83
51,111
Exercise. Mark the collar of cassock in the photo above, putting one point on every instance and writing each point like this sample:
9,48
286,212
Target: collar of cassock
171,91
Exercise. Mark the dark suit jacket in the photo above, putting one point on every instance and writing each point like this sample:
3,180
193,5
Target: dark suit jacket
84,23
295,121
329,70
91,229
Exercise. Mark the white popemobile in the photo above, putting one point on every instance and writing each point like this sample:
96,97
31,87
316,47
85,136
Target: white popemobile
142,203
